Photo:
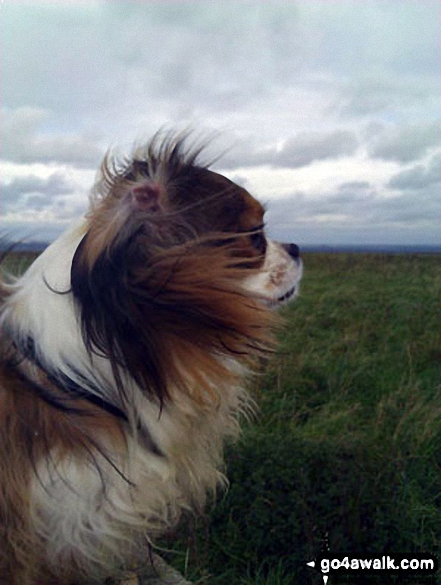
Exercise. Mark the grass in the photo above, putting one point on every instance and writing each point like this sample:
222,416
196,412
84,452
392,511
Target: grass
346,449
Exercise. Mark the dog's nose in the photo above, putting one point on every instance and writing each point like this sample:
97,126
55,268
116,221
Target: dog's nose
293,250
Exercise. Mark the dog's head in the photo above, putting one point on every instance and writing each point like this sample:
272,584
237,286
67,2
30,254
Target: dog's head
175,264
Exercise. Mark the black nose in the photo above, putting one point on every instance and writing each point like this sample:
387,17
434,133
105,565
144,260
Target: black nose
293,250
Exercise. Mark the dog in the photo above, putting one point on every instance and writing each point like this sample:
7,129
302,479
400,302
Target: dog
123,353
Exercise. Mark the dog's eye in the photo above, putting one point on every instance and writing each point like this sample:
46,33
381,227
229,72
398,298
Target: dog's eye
259,241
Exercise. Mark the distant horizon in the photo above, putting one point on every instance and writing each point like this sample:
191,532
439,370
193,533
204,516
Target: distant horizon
40,245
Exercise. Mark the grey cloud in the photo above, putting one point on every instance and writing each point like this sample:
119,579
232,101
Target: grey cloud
405,143
24,141
353,193
301,208
208,51
366,212
79,150
36,202
306,148
246,155
34,191
410,208
377,94
348,197
357,185
298,151
418,177
19,123
126,55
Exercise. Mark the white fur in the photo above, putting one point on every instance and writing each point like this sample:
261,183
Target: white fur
278,279
91,512
81,514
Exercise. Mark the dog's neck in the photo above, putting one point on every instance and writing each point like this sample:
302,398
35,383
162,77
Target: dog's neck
54,387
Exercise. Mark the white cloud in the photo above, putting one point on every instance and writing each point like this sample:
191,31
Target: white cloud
336,101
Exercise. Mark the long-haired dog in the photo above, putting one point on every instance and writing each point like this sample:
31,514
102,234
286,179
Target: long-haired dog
122,355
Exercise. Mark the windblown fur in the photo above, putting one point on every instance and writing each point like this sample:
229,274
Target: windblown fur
123,351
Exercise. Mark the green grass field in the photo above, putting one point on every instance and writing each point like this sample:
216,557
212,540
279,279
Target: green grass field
346,448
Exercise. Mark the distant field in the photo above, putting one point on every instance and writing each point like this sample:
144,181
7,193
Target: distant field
346,448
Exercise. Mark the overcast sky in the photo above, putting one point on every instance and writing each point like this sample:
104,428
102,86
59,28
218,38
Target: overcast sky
332,108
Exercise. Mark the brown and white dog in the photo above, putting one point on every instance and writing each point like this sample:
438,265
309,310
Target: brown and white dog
123,351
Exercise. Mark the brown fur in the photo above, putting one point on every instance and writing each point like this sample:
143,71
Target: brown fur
32,431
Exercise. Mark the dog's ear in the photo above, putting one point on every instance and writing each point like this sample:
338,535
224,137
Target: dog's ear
122,232
147,196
